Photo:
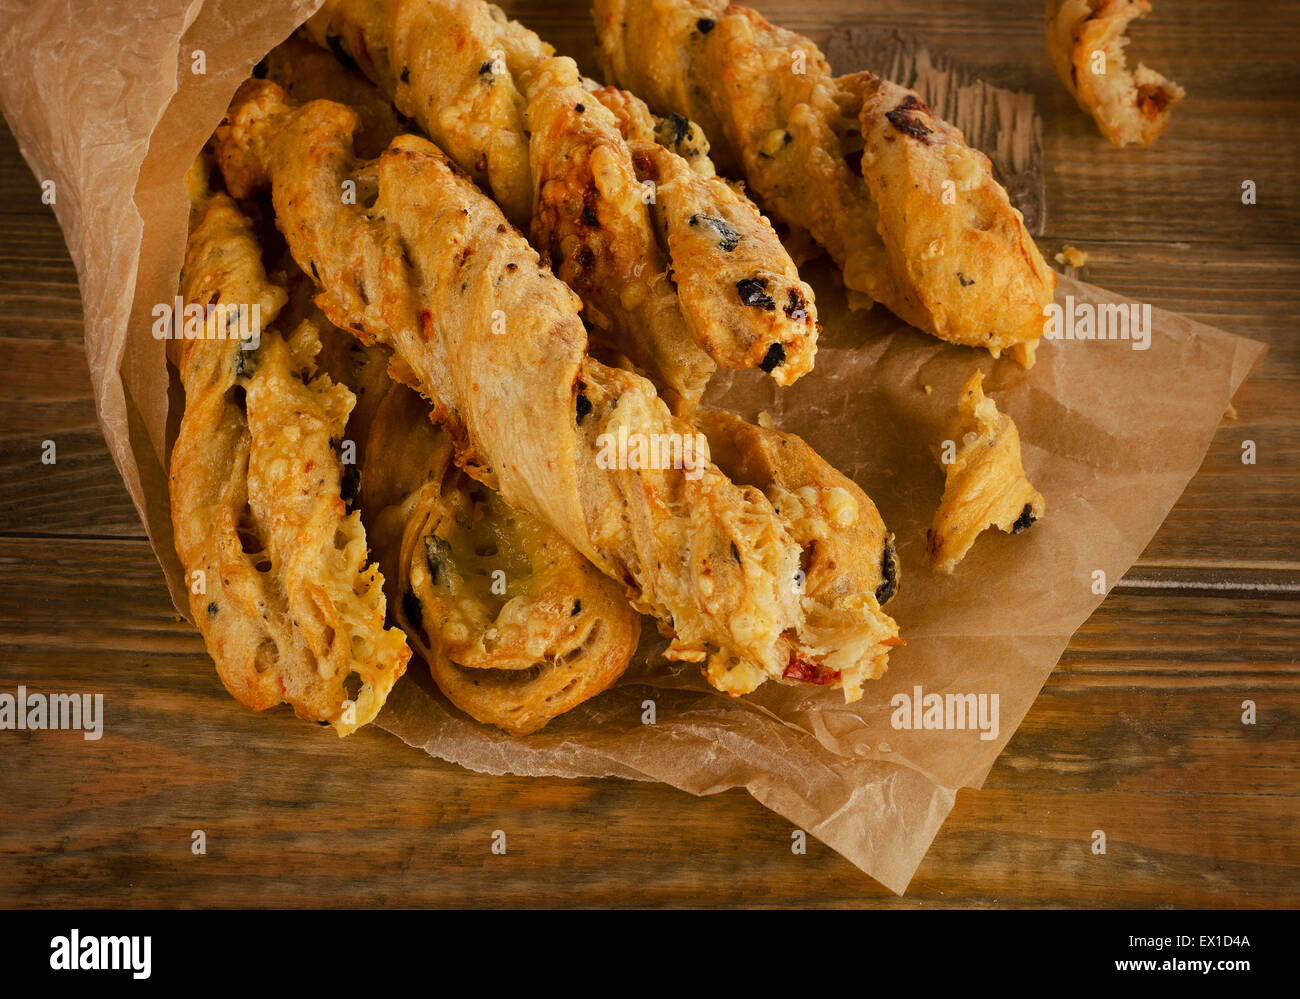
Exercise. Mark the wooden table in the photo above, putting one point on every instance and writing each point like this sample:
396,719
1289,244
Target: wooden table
1137,733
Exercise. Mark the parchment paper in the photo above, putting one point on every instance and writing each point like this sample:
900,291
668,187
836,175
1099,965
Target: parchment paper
102,97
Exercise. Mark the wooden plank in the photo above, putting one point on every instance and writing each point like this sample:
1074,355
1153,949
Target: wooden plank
1280,581
39,296
1138,733
20,192
47,399
46,395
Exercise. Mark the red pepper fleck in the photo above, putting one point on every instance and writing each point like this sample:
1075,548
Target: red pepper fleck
806,672
1152,100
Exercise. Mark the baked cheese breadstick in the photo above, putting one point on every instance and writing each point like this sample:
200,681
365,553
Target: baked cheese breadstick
275,563
524,125
774,112
969,265
516,626
428,266
849,568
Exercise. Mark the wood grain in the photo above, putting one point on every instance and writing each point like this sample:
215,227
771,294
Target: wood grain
1137,733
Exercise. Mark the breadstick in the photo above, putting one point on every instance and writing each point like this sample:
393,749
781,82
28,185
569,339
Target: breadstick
430,268
1086,41
985,482
516,626
523,124
849,567
973,272
275,563
773,111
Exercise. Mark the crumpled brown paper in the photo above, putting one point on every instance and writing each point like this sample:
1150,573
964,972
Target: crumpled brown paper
103,98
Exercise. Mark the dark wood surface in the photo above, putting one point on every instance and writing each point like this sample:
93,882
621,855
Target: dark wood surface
1137,732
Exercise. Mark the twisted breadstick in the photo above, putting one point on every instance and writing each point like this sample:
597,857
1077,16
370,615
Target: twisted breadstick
524,125
722,250
849,567
276,565
428,266
516,626
594,226
954,240
449,66
771,108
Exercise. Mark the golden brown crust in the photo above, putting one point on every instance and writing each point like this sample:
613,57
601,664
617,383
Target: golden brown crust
985,482
848,564
592,222
973,273
307,72
740,292
449,66
1086,41
239,143
517,627
671,38
644,130
589,214
286,604
365,370
772,109
433,271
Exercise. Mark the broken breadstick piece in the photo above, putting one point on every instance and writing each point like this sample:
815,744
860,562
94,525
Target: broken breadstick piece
1085,39
986,484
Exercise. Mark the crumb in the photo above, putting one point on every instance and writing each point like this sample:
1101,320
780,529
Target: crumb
928,389
764,418
1230,413
1072,257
